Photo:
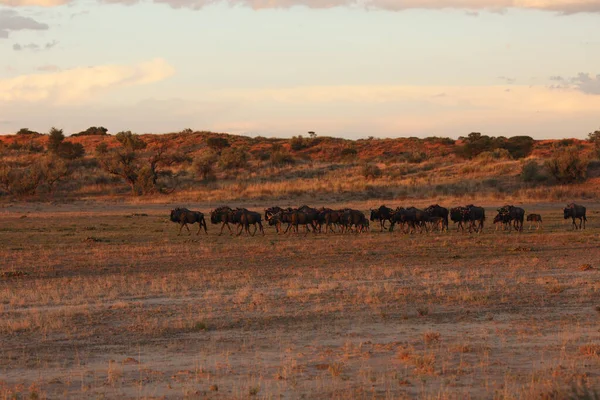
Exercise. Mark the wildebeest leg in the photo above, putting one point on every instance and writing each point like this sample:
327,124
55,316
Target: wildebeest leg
186,227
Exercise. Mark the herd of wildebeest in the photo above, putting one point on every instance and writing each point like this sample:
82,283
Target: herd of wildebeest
469,218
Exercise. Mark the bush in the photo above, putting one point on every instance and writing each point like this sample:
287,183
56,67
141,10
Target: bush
67,150
371,171
567,166
204,165
349,153
130,141
27,131
280,158
519,146
298,143
21,182
494,155
92,131
531,172
217,143
233,158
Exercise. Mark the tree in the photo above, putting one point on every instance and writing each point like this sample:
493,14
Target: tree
27,131
312,134
130,141
594,138
140,169
567,165
55,139
60,148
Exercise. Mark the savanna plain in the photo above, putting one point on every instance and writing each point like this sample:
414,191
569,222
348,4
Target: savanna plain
105,300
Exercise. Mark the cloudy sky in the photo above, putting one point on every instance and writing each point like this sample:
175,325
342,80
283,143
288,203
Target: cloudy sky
350,68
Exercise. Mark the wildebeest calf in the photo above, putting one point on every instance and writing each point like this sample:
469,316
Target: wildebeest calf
535,218
183,217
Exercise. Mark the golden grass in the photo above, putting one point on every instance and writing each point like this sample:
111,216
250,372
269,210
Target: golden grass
145,313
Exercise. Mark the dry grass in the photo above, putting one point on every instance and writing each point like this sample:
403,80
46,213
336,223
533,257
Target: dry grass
143,313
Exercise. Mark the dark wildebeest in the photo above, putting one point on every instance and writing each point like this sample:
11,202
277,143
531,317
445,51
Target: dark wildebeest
382,214
475,216
275,216
224,215
436,210
535,218
575,211
503,219
183,217
329,218
352,218
247,218
412,217
516,215
457,214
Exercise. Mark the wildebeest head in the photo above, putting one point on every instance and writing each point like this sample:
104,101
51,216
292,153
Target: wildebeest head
174,214
568,212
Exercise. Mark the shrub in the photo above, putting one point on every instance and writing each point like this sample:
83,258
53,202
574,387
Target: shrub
204,165
349,152
21,182
281,157
130,141
298,143
217,143
531,172
92,131
67,150
494,155
519,146
27,131
233,158
567,165
371,171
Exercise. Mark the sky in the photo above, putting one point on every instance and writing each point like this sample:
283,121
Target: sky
346,68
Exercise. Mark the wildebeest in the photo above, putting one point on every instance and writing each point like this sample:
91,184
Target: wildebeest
353,218
535,218
475,216
436,210
513,214
457,215
247,218
575,211
412,217
503,219
275,216
382,214
183,217
329,218
224,215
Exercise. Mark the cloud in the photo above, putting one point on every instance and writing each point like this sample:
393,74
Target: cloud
583,82
79,84
34,46
11,21
560,6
